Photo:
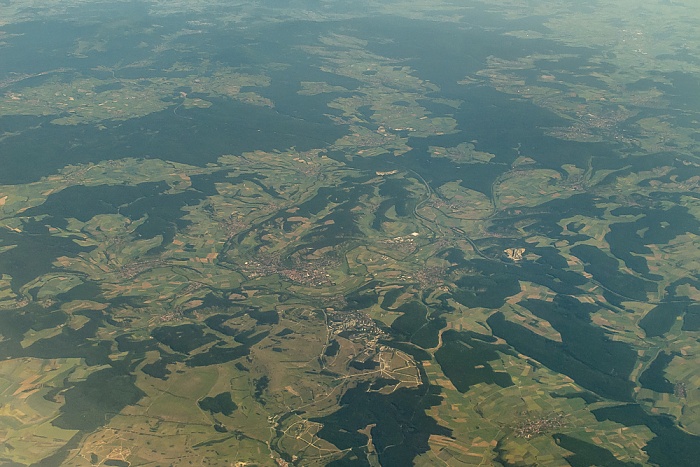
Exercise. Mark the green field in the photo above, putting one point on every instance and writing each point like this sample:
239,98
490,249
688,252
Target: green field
394,233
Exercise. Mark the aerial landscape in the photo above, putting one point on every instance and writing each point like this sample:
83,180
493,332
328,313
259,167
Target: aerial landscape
372,233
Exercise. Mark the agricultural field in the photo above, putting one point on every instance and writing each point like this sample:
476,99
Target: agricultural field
384,234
